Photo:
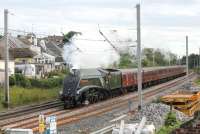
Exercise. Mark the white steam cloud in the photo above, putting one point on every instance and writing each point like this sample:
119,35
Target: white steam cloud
89,51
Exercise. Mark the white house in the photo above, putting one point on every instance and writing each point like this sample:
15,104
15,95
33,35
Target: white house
26,69
44,58
11,66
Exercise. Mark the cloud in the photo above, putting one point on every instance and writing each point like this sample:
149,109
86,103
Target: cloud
171,38
170,2
165,23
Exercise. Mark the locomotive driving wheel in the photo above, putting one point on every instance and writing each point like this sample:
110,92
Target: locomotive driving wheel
101,96
91,96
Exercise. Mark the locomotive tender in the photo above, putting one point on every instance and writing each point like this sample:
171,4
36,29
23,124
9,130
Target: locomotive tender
93,85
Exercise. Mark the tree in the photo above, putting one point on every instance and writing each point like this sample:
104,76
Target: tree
126,61
159,58
148,57
173,58
67,37
1,36
193,60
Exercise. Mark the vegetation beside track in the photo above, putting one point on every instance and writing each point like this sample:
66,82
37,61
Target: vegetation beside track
171,123
22,96
197,81
24,91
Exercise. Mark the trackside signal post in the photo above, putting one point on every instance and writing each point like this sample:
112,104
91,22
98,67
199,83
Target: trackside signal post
139,73
6,82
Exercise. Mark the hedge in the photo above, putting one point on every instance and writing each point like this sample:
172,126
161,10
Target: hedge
46,83
60,73
21,80
12,80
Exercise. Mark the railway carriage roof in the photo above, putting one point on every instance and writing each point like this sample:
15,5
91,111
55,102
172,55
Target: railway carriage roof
150,68
98,72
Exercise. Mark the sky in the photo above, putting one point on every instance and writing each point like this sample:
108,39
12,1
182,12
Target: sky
164,23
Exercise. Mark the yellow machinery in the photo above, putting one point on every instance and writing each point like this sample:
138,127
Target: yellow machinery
187,102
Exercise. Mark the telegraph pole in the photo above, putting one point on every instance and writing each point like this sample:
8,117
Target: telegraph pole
187,56
139,73
6,83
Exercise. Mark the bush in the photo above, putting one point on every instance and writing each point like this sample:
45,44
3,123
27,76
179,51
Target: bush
26,83
170,119
12,80
47,83
57,73
65,71
21,80
170,124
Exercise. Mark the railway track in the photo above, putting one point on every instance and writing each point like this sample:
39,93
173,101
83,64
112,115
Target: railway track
67,116
30,109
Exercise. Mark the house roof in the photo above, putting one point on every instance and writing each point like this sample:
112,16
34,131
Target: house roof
25,41
59,59
53,48
44,55
17,48
21,53
15,43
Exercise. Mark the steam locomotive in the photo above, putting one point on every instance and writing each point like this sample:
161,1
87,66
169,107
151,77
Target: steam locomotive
92,85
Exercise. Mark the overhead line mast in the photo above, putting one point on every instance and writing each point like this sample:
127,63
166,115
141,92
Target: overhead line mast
139,73
6,82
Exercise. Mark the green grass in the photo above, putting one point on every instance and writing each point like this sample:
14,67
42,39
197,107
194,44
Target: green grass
168,129
20,96
171,123
1,99
197,81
